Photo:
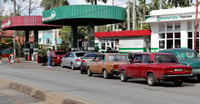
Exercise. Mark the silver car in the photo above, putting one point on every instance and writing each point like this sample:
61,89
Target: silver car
73,59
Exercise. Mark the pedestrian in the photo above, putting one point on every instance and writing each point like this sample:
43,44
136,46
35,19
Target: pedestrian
11,58
49,57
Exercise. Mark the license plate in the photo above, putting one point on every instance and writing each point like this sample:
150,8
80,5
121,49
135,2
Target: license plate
178,69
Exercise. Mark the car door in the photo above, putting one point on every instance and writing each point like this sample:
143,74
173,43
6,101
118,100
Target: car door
133,68
100,64
144,66
69,59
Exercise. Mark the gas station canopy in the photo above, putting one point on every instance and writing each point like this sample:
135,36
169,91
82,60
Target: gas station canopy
26,23
82,15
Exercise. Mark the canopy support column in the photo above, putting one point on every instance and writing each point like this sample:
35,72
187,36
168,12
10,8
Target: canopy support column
35,49
26,46
91,38
74,38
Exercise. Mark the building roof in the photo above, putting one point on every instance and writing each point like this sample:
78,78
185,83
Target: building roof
123,33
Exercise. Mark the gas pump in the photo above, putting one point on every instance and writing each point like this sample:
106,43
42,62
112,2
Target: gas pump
26,53
35,54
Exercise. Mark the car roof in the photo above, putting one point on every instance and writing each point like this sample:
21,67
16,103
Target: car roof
154,53
177,50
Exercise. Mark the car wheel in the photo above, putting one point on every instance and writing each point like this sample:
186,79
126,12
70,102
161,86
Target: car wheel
62,65
72,66
105,74
123,76
151,80
198,77
178,83
81,71
89,73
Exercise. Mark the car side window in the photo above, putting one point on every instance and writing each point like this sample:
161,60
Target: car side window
137,59
71,55
145,59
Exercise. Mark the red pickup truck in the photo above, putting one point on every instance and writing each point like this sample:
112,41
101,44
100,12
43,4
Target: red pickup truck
155,67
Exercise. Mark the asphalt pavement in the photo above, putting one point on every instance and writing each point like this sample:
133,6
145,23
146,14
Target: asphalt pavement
99,90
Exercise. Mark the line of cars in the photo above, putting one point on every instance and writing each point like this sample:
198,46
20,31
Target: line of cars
154,67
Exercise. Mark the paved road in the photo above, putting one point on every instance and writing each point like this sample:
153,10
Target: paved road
99,90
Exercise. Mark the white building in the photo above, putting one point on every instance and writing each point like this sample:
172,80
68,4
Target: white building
123,41
173,28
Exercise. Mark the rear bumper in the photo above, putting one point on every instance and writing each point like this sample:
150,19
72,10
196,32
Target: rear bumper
172,77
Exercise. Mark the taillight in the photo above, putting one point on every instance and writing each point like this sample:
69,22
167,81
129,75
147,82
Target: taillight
169,70
83,61
78,59
115,66
188,70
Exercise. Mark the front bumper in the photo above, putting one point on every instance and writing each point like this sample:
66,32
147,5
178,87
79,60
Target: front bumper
181,76
196,72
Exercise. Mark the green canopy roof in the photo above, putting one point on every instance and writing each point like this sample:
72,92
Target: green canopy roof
84,14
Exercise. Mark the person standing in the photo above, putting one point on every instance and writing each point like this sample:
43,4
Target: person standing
11,58
49,57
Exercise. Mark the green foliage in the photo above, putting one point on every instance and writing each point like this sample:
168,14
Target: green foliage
42,51
49,4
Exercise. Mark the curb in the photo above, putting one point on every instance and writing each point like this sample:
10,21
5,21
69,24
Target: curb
46,96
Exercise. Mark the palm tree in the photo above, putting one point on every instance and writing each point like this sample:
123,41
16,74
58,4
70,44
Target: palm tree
180,3
48,4
94,2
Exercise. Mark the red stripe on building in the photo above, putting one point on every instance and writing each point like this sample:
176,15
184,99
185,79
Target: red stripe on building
123,33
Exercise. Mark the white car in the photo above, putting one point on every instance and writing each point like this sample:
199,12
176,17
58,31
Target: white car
73,59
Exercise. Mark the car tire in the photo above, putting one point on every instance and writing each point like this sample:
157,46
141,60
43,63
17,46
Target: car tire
178,83
81,71
151,80
105,74
123,76
61,64
198,77
72,66
89,73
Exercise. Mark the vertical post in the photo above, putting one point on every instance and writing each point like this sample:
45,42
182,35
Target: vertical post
160,4
196,24
113,25
35,49
26,48
134,16
128,16
74,38
91,37
14,43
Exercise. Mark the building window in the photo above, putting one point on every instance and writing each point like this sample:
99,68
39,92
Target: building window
162,27
103,47
190,25
177,40
177,26
169,26
162,44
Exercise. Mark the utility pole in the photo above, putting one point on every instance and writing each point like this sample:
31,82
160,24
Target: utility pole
134,16
160,4
128,16
196,25
14,32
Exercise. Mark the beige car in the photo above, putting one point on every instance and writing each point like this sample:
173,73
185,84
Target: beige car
107,64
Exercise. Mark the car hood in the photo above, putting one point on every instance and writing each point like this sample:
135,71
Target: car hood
194,62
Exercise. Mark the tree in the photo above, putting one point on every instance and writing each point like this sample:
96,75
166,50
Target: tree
48,4
180,3
94,2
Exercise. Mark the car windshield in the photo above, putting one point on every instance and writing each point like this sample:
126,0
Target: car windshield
60,53
186,55
165,59
80,54
112,58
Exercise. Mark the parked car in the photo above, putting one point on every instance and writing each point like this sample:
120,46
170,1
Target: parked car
107,64
73,59
155,67
87,58
187,57
56,57
5,52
